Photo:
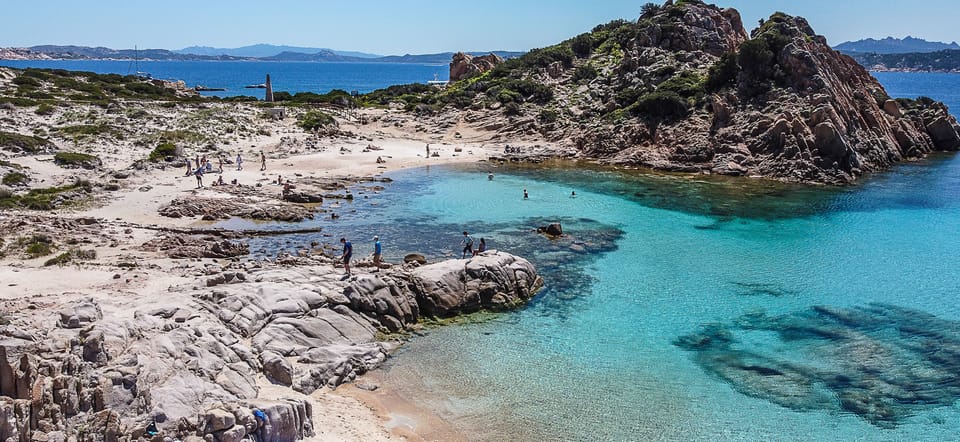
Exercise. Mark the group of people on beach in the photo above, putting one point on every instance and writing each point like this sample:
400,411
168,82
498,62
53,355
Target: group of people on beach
202,165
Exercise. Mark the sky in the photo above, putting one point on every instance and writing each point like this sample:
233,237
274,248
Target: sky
396,27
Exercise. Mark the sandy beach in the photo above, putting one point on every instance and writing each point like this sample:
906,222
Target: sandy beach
114,225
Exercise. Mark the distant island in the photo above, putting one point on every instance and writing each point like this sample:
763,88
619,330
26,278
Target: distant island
892,45
261,52
941,61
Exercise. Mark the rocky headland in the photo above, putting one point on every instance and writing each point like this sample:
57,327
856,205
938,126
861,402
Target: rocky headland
686,88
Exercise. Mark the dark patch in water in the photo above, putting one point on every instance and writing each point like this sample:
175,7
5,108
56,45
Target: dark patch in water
881,362
763,289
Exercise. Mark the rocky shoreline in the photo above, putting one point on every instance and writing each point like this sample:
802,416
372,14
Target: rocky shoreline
186,362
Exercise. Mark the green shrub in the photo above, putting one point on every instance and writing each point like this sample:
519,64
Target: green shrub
163,151
37,245
508,96
19,101
686,84
582,45
661,105
86,129
44,109
71,255
25,143
59,260
548,116
649,10
15,179
76,159
315,119
723,73
546,56
584,74
26,81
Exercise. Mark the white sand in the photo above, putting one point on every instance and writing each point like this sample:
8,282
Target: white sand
347,414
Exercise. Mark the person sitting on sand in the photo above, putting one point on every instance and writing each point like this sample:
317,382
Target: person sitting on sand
380,160
219,181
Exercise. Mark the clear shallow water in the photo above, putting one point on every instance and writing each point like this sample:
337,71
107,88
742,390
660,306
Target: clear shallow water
690,308
604,364
234,75
613,347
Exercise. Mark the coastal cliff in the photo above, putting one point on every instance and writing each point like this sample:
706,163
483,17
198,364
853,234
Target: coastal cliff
685,88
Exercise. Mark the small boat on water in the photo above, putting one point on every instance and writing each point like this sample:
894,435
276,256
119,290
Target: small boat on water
256,86
202,88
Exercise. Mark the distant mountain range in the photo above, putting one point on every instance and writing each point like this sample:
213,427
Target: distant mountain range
261,52
892,45
267,50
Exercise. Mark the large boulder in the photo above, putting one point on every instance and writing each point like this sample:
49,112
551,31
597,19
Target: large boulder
492,280
465,65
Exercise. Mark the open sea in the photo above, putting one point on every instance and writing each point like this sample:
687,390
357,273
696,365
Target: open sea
684,308
291,77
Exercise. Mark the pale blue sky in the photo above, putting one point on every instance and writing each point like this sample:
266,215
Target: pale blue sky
417,26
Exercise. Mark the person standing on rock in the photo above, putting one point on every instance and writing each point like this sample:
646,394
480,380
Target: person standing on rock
347,254
263,161
377,253
467,243
239,162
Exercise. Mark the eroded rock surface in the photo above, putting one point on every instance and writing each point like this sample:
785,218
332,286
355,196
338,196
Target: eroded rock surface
186,362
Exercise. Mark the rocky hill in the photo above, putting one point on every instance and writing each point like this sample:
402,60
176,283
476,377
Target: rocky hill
685,88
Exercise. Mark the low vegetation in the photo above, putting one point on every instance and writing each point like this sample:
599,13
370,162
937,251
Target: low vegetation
15,179
315,120
71,256
76,159
44,198
35,246
23,143
163,152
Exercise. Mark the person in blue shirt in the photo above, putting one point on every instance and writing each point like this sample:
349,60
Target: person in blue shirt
347,254
377,253
467,243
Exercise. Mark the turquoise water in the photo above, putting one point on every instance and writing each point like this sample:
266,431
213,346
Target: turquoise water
687,308
601,358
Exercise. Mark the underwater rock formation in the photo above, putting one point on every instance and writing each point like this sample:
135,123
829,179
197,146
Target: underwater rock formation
880,362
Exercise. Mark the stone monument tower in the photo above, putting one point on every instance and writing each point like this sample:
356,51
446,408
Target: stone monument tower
269,97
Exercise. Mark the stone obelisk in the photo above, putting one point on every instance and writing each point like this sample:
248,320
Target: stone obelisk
269,97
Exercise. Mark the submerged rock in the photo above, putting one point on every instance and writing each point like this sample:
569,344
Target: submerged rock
880,362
